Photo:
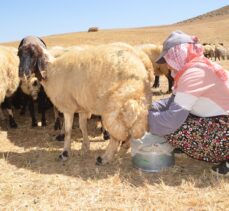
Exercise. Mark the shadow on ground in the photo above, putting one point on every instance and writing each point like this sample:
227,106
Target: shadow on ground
46,162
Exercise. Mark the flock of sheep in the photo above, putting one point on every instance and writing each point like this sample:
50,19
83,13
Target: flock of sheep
216,51
113,81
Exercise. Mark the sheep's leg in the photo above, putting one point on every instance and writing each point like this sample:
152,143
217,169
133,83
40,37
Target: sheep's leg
110,151
68,120
106,135
170,82
61,136
57,117
32,111
156,83
2,117
125,146
99,123
83,127
8,105
41,100
12,121
24,103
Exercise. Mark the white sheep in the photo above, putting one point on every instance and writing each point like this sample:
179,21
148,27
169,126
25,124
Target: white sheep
8,72
9,77
110,81
153,51
57,51
141,54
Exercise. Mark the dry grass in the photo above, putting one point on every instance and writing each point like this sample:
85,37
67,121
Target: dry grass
32,179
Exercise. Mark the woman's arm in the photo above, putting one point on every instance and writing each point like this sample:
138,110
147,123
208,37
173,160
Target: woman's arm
162,104
167,121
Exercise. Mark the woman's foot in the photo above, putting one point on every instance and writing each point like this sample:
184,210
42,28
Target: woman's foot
221,169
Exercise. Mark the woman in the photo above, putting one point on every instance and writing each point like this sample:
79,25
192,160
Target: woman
196,117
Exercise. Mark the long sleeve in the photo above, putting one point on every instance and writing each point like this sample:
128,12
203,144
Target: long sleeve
167,121
162,104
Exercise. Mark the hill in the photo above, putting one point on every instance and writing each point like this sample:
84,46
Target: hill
219,13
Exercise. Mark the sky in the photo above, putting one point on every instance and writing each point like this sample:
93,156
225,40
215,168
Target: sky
19,18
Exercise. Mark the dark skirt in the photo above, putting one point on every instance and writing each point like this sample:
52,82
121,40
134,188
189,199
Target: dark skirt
204,139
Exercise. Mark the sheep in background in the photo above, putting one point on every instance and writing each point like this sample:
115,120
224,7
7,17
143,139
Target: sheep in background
110,81
30,86
153,52
220,52
28,41
209,51
57,51
32,90
9,78
43,100
7,105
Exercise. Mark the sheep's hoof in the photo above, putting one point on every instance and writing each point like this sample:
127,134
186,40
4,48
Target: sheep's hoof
43,123
106,135
99,161
13,124
168,92
63,156
156,85
60,137
34,124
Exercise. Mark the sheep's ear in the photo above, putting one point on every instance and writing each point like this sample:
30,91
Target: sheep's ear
42,41
41,66
20,44
44,75
40,63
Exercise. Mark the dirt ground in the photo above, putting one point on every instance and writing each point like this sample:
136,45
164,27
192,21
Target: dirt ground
31,178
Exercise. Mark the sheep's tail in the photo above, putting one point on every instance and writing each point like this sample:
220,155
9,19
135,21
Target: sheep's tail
135,117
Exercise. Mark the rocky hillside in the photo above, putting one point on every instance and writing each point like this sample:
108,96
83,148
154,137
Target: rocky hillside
221,12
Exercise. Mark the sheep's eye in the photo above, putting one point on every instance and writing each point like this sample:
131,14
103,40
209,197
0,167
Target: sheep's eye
35,83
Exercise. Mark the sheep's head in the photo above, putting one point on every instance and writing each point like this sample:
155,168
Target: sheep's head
32,60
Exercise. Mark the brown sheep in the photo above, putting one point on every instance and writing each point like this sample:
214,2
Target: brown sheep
209,51
220,52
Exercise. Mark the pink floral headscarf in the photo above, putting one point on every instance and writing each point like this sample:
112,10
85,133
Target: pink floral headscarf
179,55
183,56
